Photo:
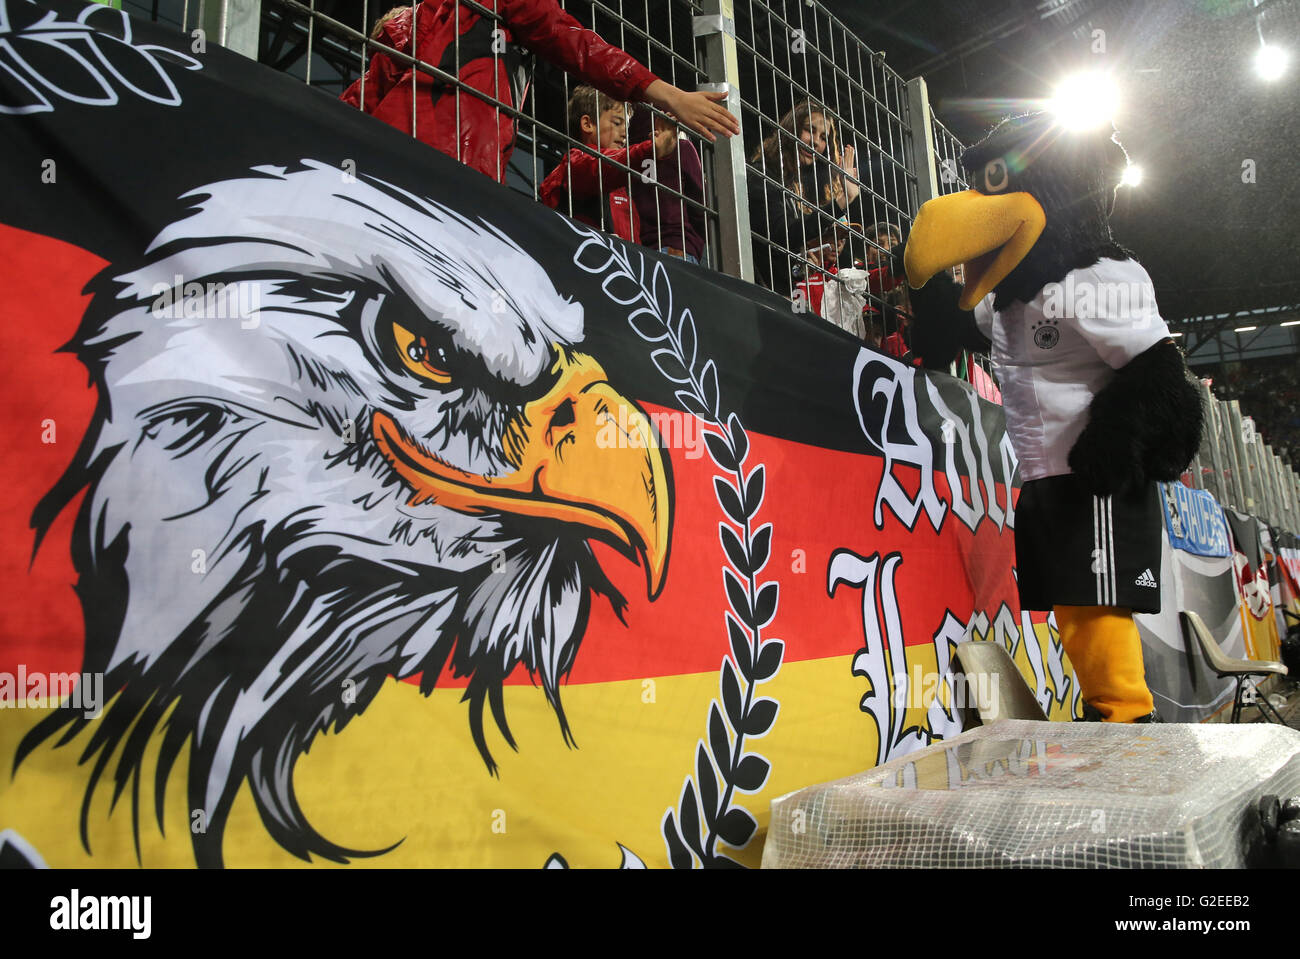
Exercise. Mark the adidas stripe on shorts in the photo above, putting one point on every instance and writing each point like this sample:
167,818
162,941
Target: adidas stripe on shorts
1077,549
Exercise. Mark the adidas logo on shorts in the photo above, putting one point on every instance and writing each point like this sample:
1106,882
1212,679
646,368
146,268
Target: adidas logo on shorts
1146,579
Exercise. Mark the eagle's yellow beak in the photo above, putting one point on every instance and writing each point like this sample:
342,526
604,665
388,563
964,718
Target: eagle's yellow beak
988,234
583,453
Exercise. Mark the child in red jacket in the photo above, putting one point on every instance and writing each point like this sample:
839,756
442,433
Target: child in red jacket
594,190
488,55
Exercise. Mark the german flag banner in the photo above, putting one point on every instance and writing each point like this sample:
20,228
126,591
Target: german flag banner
360,511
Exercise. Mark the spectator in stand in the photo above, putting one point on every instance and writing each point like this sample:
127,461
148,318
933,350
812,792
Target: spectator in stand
872,323
823,260
808,180
885,278
488,56
886,282
669,224
899,343
591,188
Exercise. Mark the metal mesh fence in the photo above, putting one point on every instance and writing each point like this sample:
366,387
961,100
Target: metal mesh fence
830,159
486,97
947,149
798,75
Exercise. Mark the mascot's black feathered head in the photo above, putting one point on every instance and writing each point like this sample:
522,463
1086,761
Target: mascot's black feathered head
1038,206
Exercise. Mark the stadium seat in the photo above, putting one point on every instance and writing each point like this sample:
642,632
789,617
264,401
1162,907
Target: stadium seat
1196,633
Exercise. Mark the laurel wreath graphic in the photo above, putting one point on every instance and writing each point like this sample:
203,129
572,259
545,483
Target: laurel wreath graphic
83,61
706,814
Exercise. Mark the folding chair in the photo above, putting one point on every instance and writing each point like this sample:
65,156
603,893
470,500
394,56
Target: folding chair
1195,632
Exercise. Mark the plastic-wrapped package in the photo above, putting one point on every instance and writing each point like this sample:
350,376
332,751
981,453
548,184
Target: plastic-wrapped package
1035,794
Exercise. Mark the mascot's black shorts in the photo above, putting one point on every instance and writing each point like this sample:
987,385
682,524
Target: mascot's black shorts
1076,549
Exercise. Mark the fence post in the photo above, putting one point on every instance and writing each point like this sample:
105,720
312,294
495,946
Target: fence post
1283,517
1263,461
717,29
1290,506
924,165
1258,482
1294,477
1270,467
1294,480
922,134
1264,493
234,24
1286,504
1242,462
1235,488
1210,448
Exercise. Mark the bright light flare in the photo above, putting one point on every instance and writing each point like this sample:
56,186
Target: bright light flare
1132,175
1270,62
1085,100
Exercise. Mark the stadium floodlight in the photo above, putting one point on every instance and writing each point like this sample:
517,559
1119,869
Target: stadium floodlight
1244,329
1132,175
1270,62
1085,100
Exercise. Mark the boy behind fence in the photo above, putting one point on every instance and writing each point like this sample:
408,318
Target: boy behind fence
594,189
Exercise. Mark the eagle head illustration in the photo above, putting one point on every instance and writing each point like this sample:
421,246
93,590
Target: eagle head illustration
342,434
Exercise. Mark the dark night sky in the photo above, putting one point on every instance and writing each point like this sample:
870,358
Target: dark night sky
1192,110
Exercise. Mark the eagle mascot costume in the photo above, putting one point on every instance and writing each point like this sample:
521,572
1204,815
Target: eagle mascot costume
1099,404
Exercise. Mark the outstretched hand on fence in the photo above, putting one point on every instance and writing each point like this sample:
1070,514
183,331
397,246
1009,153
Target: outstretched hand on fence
702,111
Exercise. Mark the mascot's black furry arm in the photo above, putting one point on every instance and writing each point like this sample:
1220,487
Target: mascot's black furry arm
940,328
1144,426
1100,405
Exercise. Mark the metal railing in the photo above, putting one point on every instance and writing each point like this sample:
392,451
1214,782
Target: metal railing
841,201
832,159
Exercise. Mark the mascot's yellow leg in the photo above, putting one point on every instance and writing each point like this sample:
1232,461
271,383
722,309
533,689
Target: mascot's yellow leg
1103,644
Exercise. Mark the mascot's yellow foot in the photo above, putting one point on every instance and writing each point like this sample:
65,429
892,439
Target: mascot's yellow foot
1103,644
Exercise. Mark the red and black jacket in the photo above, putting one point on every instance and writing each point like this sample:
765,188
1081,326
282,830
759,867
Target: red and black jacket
460,124
595,191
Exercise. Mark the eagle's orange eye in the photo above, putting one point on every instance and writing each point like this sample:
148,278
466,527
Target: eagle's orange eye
425,361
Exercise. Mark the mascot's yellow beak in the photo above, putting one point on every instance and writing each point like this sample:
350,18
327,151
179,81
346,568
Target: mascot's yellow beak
988,234
583,453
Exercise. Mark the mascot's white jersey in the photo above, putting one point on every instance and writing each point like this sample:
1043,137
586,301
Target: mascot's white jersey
1055,353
